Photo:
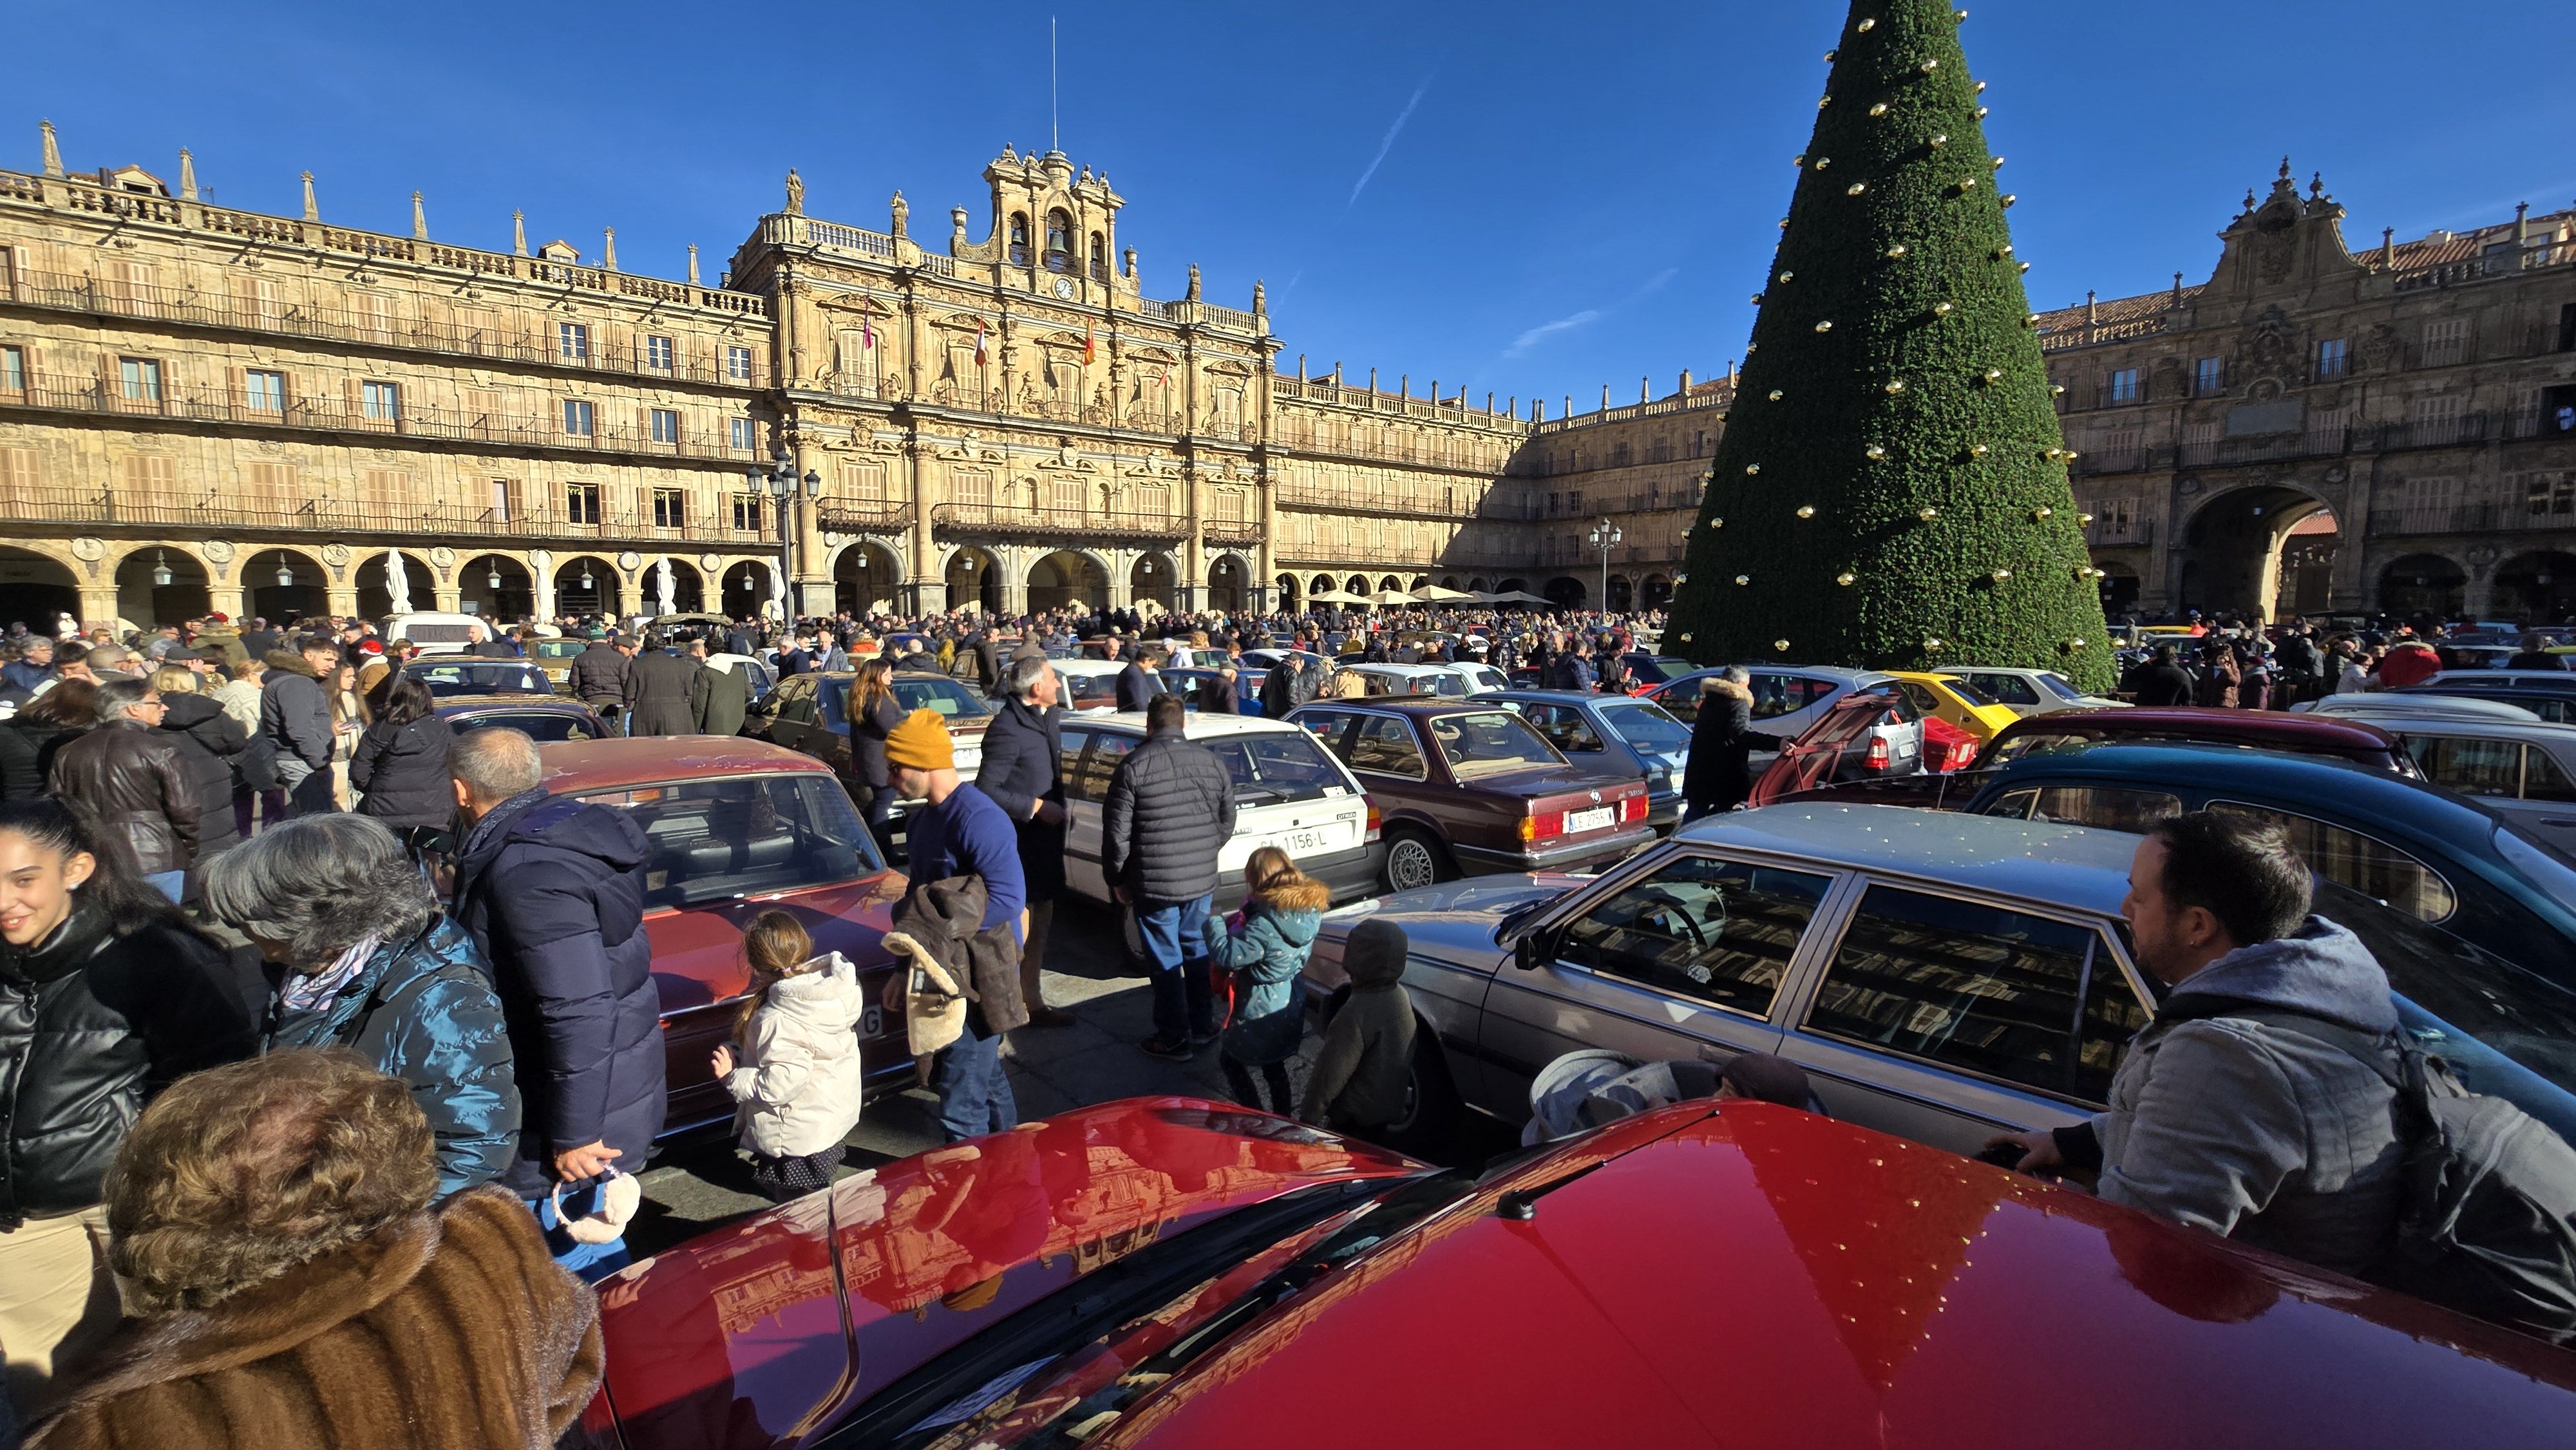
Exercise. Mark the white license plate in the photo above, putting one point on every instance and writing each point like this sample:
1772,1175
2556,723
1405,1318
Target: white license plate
1302,843
1591,820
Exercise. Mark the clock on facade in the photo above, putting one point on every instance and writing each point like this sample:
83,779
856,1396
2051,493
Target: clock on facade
1064,288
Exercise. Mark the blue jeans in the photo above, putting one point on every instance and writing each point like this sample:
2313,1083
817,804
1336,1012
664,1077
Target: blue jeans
974,1090
588,1262
1175,937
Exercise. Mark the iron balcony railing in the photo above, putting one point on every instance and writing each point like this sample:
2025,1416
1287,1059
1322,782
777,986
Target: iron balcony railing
2518,425
857,516
221,507
1053,523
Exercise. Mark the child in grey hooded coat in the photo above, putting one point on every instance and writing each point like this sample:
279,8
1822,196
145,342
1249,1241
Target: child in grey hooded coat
1359,1078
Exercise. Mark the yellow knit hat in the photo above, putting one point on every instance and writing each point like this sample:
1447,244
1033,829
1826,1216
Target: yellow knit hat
921,743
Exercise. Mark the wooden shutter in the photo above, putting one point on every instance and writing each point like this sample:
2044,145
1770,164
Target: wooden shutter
18,475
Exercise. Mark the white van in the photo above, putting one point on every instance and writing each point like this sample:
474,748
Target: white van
1289,792
437,634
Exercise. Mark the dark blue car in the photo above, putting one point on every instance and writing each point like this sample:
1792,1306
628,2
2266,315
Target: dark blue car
2417,847
1634,735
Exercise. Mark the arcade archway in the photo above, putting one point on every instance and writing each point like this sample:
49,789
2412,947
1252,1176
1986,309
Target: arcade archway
864,579
2535,588
1229,584
1564,591
2422,584
1153,578
158,586
34,589
586,584
974,581
2235,553
496,587
1067,579
376,590
283,584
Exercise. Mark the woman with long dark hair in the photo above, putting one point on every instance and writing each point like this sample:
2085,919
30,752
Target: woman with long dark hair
107,995
401,761
874,713
29,738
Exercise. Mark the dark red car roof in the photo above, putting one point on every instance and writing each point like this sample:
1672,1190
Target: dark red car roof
574,766
2301,734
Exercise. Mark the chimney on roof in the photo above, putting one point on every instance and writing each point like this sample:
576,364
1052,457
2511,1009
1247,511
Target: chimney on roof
2177,302
312,208
1686,382
2091,313
419,219
693,264
2388,246
2521,222
187,175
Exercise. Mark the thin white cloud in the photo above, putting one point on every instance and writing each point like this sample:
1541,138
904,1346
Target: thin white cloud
1388,144
1656,282
1545,330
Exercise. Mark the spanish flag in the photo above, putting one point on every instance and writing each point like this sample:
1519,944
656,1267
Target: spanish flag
1090,350
979,344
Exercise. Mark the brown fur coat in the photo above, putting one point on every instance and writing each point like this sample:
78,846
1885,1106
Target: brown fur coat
449,1331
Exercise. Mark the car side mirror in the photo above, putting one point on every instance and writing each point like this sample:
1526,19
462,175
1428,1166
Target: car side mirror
1529,951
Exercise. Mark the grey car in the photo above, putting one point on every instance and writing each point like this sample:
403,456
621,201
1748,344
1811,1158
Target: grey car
1613,729
1941,977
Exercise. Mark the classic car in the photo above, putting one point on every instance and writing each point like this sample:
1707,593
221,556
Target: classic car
1953,700
1467,787
2553,703
1858,739
448,675
737,827
1941,977
540,720
1645,671
1631,735
1185,683
1786,700
2436,856
809,712
555,657
1169,1274
2027,692
2292,734
1090,685
1289,792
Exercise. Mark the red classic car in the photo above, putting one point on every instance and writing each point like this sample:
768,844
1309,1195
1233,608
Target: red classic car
1170,1273
738,827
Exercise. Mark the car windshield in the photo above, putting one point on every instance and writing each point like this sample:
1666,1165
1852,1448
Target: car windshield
720,840
2540,866
939,694
498,677
1277,765
1431,682
1647,727
2058,685
1489,742
1081,690
560,649
538,725
1669,667
1966,691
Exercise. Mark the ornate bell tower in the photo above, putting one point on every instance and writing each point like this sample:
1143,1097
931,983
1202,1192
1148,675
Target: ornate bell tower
1052,231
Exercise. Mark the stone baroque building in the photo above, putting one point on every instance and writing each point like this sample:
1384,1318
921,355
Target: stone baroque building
209,408
2313,429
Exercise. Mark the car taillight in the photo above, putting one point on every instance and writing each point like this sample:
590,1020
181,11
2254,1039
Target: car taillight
1878,756
1632,808
1963,755
1541,825
1374,823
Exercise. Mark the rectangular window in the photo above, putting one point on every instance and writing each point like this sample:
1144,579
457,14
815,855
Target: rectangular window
13,369
581,503
666,425
670,509
2208,377
746,512
18,475
1065,495
141,379
381,401
263,391
657,354
505,495
2567,327
2549,495
745,434
738,364
2124,385
572,340
974,487
1718,932
863,482
1982,989
580,419
2446,341
2333,355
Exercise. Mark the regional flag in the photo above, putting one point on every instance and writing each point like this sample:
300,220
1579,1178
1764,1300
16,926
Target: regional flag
867,334
1090,350
979,344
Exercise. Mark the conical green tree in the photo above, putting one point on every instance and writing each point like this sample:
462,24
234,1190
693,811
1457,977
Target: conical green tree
1891,490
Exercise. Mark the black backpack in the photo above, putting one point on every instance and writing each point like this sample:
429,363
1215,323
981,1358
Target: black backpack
2487,1220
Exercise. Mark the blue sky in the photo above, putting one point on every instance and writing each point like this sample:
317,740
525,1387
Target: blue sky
1531,199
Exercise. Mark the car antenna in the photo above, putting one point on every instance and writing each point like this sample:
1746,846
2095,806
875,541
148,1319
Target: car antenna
1521,1204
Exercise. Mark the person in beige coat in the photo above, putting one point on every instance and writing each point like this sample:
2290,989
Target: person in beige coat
796,1081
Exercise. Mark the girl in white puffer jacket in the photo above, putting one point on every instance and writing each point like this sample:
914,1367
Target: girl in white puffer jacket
796,1078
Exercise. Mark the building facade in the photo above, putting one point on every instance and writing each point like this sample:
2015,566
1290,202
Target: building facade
204,408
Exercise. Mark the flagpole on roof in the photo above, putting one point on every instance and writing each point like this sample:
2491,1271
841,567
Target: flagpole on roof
1055,131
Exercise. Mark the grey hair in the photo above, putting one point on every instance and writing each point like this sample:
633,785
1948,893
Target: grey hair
1021,675
320,884
496,763
118,699
1738,675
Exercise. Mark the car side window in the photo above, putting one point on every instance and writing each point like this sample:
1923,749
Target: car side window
796,701
2016,804
2349,858
1090,781
1682,702
1068,759
2004,689
2110,808
2471,766
2543,779
1777,695
1331,729
1720,932
1981,988
1920,697
1564,727
1384,744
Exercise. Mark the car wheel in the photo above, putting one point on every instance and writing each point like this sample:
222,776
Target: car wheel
1430,1098
1413,861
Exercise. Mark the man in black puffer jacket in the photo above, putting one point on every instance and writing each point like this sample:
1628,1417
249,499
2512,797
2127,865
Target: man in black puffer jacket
211,746
553,891
1169,811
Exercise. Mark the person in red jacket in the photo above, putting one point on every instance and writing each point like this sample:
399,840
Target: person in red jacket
2410,661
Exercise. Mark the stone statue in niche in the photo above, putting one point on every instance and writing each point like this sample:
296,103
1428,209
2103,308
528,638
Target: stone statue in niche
902,213
795,193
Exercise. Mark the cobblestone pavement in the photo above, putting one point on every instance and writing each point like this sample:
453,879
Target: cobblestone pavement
697,1186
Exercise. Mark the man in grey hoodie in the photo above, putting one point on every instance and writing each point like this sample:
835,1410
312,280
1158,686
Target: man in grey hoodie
2243,1108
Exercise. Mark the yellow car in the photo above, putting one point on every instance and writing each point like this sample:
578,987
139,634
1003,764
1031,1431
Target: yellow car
1954,702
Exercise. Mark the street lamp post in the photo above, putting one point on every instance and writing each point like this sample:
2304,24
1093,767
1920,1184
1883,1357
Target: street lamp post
1605,537
780,482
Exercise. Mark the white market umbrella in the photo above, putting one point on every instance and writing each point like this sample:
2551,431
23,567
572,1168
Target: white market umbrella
1388,598
777,592
1442,593
1336,596
667,587
1516,596
397,582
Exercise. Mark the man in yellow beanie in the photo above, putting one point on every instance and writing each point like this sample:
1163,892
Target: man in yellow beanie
961,832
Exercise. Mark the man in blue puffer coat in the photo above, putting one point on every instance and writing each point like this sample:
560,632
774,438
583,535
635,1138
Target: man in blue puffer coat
553,891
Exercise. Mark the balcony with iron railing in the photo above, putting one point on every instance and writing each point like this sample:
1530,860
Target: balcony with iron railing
543,433
1497,503
225,509
2503,426
2490,516
862,516
1230,533
1055,523
545,346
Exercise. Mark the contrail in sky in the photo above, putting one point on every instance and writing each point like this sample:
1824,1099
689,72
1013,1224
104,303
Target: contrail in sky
1389,143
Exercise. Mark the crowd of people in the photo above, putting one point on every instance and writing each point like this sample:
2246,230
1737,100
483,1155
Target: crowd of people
320,1023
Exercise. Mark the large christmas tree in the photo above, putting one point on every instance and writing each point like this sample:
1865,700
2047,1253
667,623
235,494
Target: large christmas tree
1891,490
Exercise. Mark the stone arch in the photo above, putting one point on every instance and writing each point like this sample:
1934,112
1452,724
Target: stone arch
1655,591
35,587
1068,577
1565,592
1390,581
865,576
511,600
1620,591
1319,583
974,579
742,588
1229,583
2538,587
688,586
373,576
2428,583
2233,552
284,584
144,601
589,584
1480,585
2120,585
1357,584
1153,576
1290,594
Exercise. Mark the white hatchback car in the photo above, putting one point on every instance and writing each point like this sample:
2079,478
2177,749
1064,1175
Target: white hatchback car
2524,771
2029,692
1289,792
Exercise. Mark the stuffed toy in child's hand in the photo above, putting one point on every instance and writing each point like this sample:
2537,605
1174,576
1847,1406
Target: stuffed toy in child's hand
1234,923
